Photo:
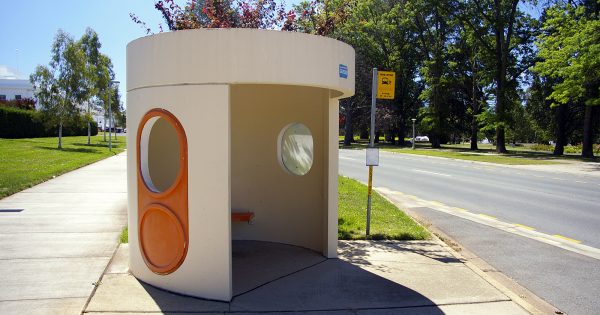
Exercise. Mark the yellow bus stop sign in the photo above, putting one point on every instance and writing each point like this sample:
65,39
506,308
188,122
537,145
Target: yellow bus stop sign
386,84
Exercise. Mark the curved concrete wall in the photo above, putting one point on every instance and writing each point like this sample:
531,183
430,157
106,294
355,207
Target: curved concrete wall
225,86
240,56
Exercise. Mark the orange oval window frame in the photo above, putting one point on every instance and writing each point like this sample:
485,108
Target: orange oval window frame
169,253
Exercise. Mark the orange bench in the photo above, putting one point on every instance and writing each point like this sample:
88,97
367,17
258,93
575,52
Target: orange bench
242,216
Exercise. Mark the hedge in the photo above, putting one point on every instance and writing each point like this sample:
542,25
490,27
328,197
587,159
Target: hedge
19,123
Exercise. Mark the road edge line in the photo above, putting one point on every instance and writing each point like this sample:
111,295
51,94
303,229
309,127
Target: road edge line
526,299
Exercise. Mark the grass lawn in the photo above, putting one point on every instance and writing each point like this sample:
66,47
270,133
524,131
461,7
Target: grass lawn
508,159
387,221
124,238
486,153
27,162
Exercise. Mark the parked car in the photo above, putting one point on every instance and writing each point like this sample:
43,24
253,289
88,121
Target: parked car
422,139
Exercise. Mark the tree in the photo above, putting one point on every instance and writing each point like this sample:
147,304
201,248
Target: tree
60,86
433,24
262,14
470,80
505,34
98,72
569,49
379,32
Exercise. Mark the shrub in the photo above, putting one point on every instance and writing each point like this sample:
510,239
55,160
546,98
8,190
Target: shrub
24,103
542,147
19,123
573,148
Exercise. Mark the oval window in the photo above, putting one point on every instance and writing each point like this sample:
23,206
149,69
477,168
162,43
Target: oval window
296,149
159,154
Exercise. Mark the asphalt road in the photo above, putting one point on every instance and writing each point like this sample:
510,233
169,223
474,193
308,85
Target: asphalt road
551,203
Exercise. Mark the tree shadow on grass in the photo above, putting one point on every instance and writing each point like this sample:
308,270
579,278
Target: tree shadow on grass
97,145
78,150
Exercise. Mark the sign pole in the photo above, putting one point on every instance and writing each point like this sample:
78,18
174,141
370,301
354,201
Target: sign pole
371,145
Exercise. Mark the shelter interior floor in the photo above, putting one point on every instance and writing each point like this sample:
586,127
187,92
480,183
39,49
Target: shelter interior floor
256,263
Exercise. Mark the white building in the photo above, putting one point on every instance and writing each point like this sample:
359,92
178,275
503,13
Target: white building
11,89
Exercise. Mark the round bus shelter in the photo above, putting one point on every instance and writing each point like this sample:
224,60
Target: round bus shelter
233,136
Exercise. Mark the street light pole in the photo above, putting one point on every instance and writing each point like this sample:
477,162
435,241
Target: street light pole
110,115
109,130
413,142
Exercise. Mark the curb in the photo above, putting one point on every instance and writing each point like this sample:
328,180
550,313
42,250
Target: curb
517,293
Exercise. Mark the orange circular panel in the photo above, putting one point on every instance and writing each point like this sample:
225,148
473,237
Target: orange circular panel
162,239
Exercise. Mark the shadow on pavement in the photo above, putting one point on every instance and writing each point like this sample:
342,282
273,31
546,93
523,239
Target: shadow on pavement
271,277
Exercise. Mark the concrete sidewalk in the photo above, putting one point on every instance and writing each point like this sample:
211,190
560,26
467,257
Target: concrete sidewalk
371,277
57,238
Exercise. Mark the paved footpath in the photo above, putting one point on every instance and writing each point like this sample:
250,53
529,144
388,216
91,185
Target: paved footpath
57,238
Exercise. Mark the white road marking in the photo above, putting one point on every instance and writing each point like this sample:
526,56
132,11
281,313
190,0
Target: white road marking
347,158
432,173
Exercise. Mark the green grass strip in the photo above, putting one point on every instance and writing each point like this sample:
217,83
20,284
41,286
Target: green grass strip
387,221
489,158
516,156
124,238
27,162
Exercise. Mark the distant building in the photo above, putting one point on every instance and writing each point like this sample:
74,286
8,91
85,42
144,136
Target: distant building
13,89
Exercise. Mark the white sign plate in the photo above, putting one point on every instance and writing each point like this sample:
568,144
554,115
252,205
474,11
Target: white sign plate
372,156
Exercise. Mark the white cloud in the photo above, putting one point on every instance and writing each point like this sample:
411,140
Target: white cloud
9,73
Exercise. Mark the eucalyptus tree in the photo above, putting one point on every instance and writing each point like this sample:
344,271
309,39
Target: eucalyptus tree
60,86
434,25
98,73
382,38
505,34
569,51
470,79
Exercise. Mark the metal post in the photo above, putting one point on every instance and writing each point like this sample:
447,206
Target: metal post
413,142
371,145
373,100
109,115
110,120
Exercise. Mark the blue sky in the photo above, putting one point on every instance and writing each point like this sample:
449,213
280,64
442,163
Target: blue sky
27,29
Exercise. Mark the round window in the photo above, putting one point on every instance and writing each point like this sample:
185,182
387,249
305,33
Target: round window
159,154
296,149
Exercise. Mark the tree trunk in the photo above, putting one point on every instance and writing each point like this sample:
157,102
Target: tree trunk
390,137
60,135
377,134
474,106
587,151
561,137
104,129
501,65
500,140
474,132
401,133
89,132
435,142
364,133
348,132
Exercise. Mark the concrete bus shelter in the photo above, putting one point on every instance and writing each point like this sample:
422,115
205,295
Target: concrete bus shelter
230,125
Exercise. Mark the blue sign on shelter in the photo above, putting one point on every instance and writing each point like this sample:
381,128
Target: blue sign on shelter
343,71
